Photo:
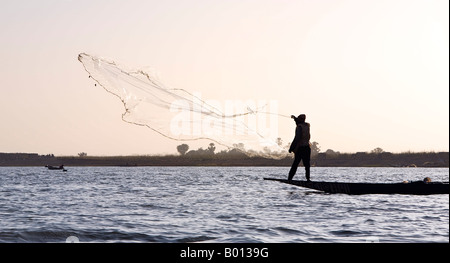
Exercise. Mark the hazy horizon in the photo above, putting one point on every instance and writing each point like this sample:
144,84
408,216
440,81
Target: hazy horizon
176,153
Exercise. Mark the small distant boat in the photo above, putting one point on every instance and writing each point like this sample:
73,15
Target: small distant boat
61,167
127,165
409,188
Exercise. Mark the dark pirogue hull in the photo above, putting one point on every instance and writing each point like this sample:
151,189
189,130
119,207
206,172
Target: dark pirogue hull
56,168
414,188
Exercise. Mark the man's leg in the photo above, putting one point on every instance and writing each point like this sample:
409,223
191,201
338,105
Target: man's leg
307,162
294,166
307,173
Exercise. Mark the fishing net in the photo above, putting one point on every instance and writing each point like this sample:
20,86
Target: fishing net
181,115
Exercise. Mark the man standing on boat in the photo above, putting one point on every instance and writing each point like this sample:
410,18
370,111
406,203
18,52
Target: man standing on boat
301,146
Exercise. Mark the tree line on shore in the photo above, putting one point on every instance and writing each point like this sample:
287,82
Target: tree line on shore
375,157
238,155
183,150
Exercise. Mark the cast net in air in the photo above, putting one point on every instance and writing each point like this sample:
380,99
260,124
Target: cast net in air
177,114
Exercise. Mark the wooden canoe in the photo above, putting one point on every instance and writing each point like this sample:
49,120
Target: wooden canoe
412,188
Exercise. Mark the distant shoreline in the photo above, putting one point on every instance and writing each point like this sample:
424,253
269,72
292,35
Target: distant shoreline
426,159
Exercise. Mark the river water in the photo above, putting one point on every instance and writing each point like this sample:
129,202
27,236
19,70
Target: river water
213,204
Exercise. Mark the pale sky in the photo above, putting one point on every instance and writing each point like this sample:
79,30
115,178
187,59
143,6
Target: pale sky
367,73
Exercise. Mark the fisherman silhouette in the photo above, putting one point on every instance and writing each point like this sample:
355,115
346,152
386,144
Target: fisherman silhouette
301,146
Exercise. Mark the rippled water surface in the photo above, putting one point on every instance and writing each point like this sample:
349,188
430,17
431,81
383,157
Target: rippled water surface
213,204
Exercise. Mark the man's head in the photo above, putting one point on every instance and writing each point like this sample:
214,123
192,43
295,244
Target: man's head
300,119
